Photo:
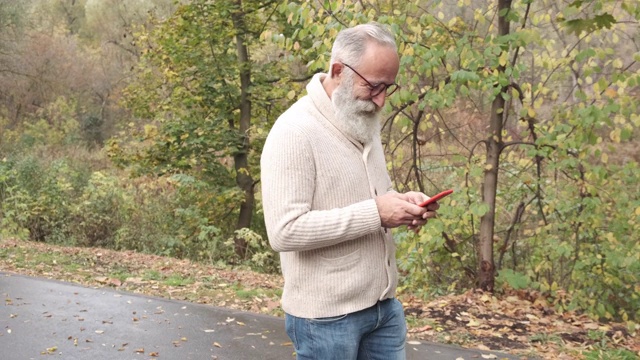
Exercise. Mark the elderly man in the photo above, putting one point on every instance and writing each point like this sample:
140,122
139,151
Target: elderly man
328,206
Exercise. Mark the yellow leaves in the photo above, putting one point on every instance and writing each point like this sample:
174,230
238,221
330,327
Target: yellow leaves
49,351
408,51
531,112
503,59
150,131
635,119
291,94
611,93
615,135
617,64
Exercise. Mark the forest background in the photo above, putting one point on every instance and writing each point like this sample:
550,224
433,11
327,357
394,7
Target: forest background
138,125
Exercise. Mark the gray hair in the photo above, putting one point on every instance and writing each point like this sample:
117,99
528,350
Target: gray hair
350,44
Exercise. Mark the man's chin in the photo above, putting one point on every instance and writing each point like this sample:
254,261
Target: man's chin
367,114
369,110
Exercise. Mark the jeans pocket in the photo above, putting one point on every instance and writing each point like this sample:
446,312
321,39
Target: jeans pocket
330,319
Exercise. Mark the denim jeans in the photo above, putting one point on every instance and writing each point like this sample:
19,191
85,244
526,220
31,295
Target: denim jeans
377,332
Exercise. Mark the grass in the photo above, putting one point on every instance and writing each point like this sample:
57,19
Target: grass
177,280
610,354
544,338
154,275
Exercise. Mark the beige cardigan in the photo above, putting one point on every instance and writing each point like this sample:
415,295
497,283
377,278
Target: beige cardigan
318,189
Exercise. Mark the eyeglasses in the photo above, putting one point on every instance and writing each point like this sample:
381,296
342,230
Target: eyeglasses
377,89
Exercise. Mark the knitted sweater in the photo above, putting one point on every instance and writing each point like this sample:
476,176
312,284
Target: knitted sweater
318,189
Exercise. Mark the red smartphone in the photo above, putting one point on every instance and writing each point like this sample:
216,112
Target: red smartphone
436,197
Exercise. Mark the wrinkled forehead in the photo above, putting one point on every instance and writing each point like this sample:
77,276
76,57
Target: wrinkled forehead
379,64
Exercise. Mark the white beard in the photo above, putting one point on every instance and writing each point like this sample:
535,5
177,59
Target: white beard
357,118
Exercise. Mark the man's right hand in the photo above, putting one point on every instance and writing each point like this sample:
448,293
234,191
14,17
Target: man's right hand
395,211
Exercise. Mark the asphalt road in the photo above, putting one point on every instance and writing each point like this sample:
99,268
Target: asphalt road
42,319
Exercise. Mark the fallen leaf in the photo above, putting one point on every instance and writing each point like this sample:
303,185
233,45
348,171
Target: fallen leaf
422,329
50,350
217,345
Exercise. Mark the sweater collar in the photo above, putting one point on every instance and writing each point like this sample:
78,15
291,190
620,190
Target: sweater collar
323,103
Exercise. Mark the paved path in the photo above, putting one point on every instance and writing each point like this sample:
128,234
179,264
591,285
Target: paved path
42,318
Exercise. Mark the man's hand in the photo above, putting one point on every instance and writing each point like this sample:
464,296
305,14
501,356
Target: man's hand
402,209
397,209
418,198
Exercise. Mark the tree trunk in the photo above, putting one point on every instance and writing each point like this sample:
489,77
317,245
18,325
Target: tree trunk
494,143
241,163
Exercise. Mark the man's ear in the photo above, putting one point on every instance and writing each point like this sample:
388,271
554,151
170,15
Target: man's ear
336,70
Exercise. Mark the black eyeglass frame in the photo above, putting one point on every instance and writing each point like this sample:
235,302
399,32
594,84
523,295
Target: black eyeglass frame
375,90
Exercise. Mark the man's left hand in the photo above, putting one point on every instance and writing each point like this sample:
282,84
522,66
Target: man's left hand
416,197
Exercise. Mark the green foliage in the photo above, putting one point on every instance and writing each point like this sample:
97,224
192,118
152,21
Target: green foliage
592,23
55,125
35,199
208,86
189,85
260,255
103,208
514,280
178,216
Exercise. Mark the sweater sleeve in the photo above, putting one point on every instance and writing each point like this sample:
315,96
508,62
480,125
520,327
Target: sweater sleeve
288,178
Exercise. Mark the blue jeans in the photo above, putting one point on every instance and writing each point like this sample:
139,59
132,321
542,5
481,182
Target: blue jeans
377,332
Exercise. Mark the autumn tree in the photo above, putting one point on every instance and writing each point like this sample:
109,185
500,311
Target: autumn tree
208,84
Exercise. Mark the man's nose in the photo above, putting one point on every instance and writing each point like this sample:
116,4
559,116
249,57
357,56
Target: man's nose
379,99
